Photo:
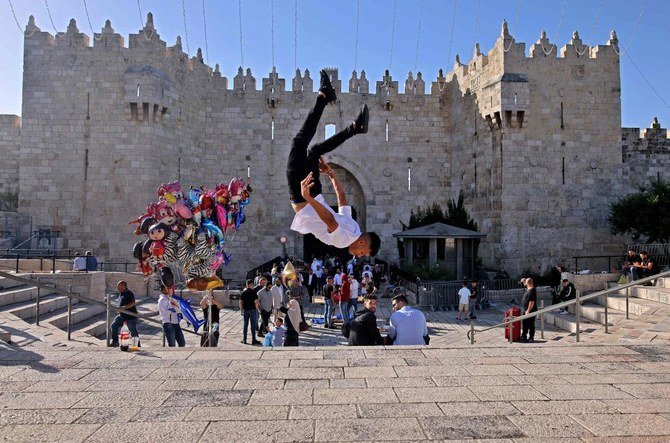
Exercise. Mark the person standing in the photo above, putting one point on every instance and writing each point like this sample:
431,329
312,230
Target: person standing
472,302
249,305
463,300
352,306
127,302
265,301
170,318
345,295
311,284
337,278
528,305
211,301
293,316
320,279
277,297
328,291
407,325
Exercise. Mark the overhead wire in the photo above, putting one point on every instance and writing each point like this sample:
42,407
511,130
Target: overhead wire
88,17
634,32
418,35
17,21
358,16
272,27
239,13
647,81
474,33
560,24
295,36
204,23
451,39
516,23
50,18
183,11
395,4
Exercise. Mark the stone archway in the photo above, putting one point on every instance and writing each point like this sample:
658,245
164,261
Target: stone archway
356,195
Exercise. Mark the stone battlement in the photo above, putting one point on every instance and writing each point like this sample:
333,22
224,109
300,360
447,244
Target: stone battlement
147,40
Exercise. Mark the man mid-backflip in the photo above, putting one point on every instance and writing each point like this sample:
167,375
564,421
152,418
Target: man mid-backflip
312,214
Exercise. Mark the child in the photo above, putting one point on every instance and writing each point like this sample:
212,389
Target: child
276,334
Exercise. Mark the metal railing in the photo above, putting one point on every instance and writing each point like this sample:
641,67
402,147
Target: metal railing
591,257
509,321
70,295
443,295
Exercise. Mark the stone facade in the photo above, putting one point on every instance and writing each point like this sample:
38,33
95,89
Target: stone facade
533,142
10,132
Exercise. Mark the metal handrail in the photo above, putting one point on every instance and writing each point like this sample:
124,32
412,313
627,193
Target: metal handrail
76,295
510,320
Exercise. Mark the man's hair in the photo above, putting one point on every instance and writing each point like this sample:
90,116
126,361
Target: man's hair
565,280
250,282
330,277
401,298
122,282
279,319
474,282
530,281
369,297
465,283
88,252
644,253
268,283
375,243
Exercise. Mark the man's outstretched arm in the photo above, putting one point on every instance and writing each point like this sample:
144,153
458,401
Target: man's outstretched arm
339,189
324,214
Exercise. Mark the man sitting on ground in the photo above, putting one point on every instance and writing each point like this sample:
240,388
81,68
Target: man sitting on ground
312,214
408,325
362,330
646,268
568,292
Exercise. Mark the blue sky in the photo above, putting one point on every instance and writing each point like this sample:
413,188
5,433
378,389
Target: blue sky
327,30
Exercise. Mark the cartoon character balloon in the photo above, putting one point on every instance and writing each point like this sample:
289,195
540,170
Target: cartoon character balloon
189,231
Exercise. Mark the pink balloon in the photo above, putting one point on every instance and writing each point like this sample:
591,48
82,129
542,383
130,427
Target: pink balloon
183,210
222,216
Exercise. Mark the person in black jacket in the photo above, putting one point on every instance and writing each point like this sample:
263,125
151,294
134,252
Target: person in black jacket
362,330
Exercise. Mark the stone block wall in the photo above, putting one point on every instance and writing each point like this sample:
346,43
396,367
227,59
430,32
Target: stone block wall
10,130
646,157
532,141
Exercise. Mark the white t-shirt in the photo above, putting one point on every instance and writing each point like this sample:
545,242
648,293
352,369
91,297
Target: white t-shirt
337,279
307,221
354,288
464,294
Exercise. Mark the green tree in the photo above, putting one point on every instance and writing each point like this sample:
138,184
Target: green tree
9,201
644,215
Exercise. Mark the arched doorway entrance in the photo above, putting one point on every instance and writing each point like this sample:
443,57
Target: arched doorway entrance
356,199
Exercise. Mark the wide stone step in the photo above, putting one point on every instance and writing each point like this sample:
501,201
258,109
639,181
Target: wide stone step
636,306
596,313
8,283
80,313
27,310
17,294
654,293
568,322
663,282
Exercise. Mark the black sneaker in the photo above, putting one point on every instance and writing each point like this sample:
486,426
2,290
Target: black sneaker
531,340
327,88
523,340
114,344
361,122
255,342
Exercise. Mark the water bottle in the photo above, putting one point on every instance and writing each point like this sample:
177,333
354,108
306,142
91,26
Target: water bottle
124,337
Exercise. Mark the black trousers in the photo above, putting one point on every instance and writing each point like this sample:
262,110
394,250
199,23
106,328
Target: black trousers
302,161
265,320
528,328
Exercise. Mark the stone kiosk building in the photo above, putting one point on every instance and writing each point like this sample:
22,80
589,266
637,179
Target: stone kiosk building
532,138
439,244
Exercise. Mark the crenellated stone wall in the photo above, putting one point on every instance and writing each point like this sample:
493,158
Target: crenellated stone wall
647,157
532,141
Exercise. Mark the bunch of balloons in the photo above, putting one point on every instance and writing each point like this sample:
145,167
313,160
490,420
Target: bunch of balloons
190,230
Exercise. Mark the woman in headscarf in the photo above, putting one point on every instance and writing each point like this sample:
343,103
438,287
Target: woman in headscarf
292,323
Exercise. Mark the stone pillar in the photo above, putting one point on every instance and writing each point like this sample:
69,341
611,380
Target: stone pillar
459,258
409,250
432,251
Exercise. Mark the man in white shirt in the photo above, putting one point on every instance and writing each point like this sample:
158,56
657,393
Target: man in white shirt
407,325
350,267
79,263
463,300
352,306
337,278
313,215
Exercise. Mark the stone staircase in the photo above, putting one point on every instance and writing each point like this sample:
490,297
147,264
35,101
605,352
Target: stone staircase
18,315
645,301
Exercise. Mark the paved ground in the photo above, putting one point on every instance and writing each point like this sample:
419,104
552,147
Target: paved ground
506,392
